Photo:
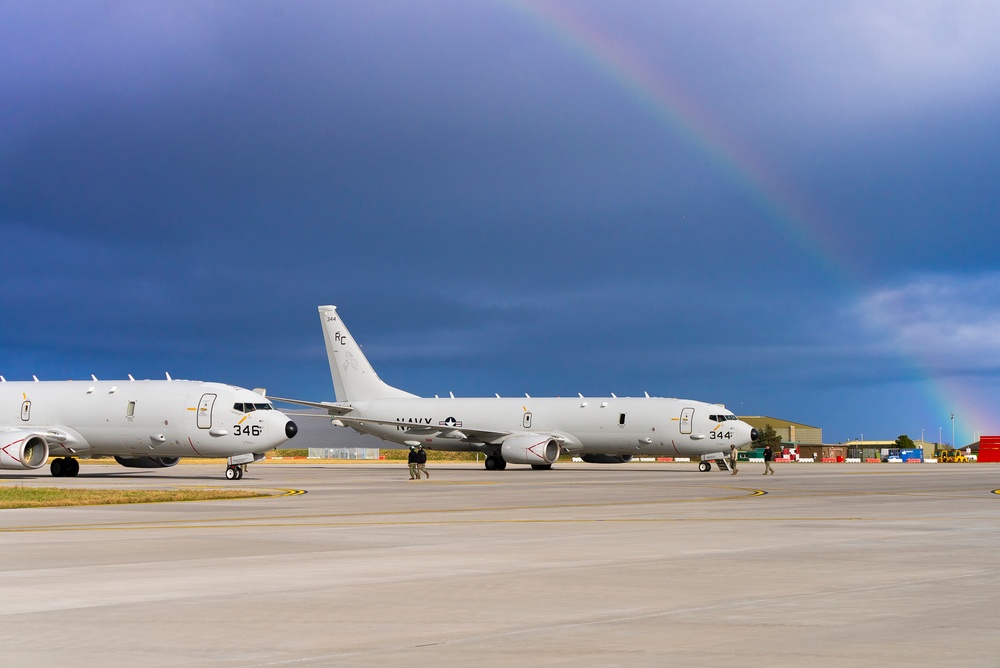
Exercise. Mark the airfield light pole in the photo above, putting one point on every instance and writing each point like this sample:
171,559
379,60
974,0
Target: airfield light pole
953,430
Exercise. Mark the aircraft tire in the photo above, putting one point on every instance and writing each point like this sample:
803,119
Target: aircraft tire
57,467
501,464
704,467
491,463
230,473
239,473
73,466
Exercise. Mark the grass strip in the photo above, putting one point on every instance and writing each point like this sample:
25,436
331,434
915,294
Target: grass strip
48,497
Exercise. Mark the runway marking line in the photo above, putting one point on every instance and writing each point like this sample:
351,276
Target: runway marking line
344,519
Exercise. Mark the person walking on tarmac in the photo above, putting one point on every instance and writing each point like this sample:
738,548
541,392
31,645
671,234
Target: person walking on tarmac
768,456
732,458
422,462
411,459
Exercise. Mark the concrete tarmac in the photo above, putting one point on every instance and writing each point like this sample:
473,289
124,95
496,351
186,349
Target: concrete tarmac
636,564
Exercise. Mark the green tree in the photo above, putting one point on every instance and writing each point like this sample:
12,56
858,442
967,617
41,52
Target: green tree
768,436
904,442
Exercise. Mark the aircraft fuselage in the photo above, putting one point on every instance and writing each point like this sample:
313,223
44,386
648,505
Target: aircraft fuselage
143,418
637,426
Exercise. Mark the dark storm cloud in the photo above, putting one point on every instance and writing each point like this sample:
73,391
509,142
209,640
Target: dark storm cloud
496,204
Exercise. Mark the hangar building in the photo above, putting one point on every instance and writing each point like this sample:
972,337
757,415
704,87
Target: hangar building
794,433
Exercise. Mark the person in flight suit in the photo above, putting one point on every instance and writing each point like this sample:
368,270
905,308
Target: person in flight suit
768,457
411,459
422,462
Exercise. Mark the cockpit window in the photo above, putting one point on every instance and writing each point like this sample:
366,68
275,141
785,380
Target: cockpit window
249,408
722,418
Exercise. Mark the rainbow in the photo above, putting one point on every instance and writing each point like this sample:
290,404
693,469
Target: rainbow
680,113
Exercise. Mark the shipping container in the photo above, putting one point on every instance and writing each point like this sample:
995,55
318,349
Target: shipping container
989,449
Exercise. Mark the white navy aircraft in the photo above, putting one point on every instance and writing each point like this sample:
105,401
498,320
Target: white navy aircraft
533,431
142,424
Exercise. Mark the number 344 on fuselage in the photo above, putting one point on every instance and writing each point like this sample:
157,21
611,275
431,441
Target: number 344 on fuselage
533,431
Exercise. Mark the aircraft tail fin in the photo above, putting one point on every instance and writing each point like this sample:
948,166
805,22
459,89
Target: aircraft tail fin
354,379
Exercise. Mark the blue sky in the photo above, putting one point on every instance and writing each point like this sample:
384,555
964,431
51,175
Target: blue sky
790,208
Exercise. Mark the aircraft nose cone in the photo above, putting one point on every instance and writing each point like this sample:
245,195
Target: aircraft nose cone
754,435
291,429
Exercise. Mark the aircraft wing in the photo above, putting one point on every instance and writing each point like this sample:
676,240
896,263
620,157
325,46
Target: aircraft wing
328,406
459,433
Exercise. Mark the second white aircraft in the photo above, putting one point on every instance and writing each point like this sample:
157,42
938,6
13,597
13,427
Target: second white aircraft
534,431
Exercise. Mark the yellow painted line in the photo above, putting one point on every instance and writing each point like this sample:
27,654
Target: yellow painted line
242,524
457,482
312,520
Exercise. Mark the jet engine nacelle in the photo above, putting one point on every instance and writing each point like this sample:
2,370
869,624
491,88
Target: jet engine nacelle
606,459
147,462
23,450
530,449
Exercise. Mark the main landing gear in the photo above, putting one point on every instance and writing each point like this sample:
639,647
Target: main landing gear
235,471
495,463
705,466
64,467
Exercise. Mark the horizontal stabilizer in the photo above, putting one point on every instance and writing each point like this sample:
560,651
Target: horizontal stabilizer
329,407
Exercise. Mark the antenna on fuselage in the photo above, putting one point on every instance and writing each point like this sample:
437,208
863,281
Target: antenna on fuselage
93,377
168,376
131,378
35,377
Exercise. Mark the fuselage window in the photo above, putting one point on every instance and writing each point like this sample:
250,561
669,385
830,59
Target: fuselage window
130,410
621,419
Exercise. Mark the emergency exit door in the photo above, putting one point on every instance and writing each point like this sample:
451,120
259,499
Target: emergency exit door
205,410
687,419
